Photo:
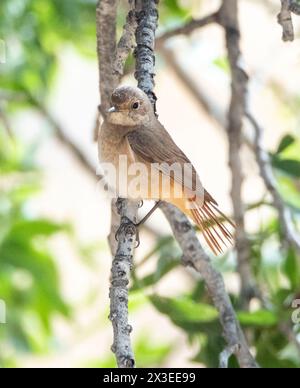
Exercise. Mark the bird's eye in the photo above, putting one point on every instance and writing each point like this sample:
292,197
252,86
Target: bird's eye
135,105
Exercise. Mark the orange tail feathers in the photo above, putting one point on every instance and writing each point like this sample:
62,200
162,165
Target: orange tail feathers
211,222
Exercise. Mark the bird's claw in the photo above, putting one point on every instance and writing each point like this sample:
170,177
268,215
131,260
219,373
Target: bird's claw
128,227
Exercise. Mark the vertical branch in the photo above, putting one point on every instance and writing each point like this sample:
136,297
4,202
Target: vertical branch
106,14
118,293
147,19
229,20
111,62
126,42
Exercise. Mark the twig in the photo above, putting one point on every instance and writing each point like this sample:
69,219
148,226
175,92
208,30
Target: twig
111,58
229,20
226,354
195,257
285,20
187,80
267,175
188,28
126,42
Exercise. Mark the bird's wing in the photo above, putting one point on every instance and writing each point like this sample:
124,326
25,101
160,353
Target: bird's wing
156,146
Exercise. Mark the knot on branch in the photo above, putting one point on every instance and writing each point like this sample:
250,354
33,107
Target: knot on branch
232,32
127,362
120,204
122,263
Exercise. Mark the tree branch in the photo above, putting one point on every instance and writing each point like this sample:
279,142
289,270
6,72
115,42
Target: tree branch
195,257
226,354
126,42
188,28
111,60
147,19
118,293
229,20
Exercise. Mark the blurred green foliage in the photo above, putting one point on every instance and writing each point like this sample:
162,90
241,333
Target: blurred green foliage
29,280
36,33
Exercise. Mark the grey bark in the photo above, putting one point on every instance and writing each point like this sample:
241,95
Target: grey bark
188,28
147,19
285,20
118,293
111,60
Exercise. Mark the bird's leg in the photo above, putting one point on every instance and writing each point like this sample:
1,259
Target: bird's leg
127,223
149,214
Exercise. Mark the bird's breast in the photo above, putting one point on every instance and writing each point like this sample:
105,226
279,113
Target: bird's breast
118,166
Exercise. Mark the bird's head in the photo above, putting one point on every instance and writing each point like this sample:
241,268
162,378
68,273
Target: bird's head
130,106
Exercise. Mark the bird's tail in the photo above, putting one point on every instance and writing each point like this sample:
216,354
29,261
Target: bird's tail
212,223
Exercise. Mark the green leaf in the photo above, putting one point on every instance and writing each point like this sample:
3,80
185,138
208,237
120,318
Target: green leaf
223,64
164,266
289,166
290,192
291,268
269,347
186,313
285,143
150,353
260,318
26,229
169,258
175,8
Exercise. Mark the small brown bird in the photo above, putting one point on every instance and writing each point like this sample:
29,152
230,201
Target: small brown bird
132,131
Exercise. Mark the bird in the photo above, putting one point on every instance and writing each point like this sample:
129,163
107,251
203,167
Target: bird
132,131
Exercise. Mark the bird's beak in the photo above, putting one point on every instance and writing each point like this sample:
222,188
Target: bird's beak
112,109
